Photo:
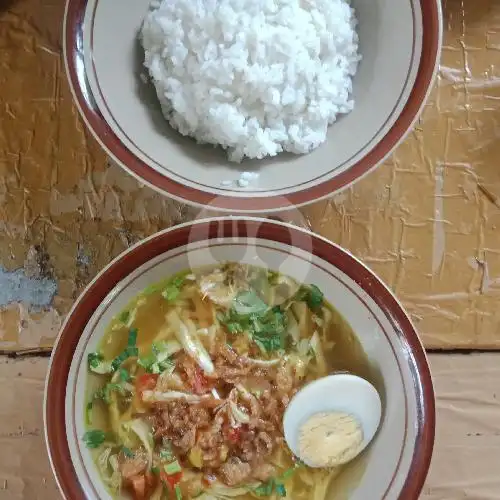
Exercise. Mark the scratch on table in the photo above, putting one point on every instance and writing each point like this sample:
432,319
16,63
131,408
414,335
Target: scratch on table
38,352
489,195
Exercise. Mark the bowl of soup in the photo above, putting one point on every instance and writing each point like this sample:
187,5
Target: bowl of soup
172,373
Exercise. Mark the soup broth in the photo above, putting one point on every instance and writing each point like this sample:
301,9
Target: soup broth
187,391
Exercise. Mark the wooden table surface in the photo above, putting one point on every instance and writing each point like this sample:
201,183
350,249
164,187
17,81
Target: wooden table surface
466,458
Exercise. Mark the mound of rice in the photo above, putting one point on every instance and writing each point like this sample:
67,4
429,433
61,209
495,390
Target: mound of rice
256,77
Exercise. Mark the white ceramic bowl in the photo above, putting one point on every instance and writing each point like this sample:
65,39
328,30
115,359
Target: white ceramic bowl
400,43
397,461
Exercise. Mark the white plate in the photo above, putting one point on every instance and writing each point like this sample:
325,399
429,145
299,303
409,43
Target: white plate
389,89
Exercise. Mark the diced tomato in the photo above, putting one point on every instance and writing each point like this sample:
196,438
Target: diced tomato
146,382
171,480
199,382
234,434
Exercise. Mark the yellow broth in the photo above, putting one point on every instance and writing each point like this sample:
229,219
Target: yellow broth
146,313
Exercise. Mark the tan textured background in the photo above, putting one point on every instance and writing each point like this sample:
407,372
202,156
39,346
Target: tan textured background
466,457
426,221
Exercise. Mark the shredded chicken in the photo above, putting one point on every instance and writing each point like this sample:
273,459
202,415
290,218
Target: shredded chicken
215,286
237,433
211,442
232,368
175,419
169,382
234,471
222,285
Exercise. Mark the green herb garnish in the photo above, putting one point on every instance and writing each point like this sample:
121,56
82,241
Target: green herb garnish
275,485
100,394
310,294
152,289
315,298
147,362
98,364
267,327
130,351
274,322
232,322
173,288
132,337
119,360
124,316
170,293
173,468
152,365
156,347
88,412
128,452
104,392
170,290
166,365
155,470
268,488
94,438
248,302
265,490
166,452
159,360
125,375
178,492
272,277
280,490
94,359
109,388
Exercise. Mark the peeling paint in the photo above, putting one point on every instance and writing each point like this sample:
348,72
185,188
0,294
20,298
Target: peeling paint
34,292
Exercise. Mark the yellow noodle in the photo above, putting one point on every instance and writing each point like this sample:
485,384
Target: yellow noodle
337,349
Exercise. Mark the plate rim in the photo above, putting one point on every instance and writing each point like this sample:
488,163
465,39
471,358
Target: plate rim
108,111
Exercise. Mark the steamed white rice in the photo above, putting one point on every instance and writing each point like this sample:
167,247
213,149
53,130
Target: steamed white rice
256,77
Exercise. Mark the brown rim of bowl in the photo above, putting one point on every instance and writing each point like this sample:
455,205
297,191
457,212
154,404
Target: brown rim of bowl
131,259
73,56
